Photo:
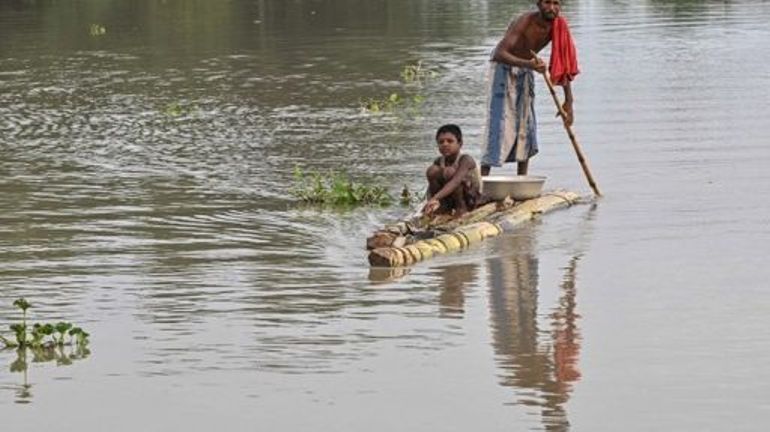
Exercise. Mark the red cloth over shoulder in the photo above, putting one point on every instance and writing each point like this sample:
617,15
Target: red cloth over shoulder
564,63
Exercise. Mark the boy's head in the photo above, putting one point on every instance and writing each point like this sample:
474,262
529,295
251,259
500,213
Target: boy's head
449,139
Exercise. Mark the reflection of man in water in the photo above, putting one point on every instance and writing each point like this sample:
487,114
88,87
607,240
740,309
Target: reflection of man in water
528,361
452,296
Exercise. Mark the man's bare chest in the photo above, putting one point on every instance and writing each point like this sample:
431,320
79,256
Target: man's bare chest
537,37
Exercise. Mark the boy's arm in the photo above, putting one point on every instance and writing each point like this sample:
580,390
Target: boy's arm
466,164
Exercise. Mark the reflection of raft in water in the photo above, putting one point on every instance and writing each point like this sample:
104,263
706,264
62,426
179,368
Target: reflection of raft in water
415,240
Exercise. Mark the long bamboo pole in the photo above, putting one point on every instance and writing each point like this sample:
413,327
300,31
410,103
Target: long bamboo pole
578,150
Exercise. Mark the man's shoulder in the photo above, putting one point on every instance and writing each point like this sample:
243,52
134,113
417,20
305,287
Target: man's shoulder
527,16
523,20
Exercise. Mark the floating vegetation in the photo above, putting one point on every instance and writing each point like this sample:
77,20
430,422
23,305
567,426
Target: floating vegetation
391,103
406,196
97,30
176,109
61,342
43,335
409,197
417,73
337,189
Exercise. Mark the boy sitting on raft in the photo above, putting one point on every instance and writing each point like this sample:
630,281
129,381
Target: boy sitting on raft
453,180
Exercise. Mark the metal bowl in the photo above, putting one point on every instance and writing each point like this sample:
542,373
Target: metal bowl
519,188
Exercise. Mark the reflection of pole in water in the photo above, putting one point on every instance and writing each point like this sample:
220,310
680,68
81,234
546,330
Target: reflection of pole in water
548,367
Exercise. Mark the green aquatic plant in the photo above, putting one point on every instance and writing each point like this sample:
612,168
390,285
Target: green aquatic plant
411,197
178,109
406,196
376,105
391,103
42,335
417,73
337,189
61,329
23,305
80,336
39,333
61,342
174,109
20,332
97,30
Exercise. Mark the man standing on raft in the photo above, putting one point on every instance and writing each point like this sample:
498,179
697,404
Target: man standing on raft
511,130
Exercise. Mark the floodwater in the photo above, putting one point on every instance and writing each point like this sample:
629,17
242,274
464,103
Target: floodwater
146,155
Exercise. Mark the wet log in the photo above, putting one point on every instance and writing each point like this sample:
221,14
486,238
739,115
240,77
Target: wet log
466,235
406,232
380,239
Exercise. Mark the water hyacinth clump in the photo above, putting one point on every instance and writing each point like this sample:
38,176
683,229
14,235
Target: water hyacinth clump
417,73
410,197
42,335
177,109
337,189
391,103
97,30
412,75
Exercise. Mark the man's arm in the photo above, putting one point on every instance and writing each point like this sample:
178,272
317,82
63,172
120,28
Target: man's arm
505,48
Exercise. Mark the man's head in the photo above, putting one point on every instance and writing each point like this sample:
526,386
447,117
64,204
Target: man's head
549,9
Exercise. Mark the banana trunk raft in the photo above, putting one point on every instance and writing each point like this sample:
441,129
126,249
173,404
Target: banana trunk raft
411,241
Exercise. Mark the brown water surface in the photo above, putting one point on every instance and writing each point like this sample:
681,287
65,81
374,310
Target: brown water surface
144,178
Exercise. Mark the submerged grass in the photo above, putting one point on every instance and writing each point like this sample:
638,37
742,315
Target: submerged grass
337,189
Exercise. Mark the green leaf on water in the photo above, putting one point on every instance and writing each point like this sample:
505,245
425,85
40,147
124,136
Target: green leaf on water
22,304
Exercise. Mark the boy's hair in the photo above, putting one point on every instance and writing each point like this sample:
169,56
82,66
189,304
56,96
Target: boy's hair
451,128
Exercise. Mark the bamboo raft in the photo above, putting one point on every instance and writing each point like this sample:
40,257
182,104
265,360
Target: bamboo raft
417,239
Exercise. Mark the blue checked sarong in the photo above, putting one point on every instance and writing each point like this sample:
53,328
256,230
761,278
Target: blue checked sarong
510,134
